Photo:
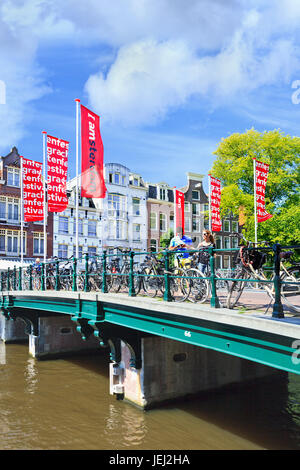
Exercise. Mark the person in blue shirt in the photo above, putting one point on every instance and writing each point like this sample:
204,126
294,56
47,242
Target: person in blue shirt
181,246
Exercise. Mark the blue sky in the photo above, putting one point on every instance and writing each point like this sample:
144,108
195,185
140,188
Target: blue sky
169,78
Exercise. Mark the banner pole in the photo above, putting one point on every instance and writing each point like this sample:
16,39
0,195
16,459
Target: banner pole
255,202
22,209
77,177
175,218
44,186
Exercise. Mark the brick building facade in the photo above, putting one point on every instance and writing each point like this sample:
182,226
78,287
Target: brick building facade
10,215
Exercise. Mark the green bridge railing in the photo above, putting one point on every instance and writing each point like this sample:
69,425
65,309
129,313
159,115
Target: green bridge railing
115,273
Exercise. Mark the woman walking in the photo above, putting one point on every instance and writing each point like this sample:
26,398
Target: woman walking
203,259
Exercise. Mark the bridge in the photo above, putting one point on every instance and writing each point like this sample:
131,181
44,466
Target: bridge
159,350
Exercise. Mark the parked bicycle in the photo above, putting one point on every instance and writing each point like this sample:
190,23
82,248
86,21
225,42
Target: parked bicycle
250,266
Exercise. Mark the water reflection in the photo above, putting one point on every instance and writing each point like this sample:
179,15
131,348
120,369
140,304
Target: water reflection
2,353
125,425
31,376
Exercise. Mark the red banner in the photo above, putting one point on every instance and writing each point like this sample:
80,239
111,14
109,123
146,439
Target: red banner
261,175
57,160
92,179
215,199
33,190
179,213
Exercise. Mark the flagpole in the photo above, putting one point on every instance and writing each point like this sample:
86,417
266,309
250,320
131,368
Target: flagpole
44,187
22,211
209,202
77,176
255,202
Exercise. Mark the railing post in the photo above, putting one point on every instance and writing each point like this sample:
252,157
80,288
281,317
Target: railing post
132,292
214,301
86,274
15,278
20,278
8,278
30,277
277,307
57,281
167,293
104,285
74,287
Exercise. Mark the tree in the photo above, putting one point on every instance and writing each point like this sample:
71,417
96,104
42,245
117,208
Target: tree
234,167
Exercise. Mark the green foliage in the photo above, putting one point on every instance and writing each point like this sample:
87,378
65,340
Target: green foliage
165,239
234,167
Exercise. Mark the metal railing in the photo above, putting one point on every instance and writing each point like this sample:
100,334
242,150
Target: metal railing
101,272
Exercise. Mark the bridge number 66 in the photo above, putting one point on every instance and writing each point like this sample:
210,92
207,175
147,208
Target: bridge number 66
187,333
296,354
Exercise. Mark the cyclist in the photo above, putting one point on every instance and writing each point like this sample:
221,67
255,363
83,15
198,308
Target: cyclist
181,245
37,266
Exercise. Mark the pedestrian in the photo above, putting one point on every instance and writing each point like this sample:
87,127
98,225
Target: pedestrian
204,256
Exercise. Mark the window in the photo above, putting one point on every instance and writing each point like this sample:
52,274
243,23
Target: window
92,251
62,251
195,195
226,242
226,263
226,225
196,225
162,222
136,232
153,245
172,222
116,202
153,221
234,242
117,229
13,210
163,194
235,226
80,227
218,242
63,225
38,243
195,209
2,208
79,251
187,224
135,181
136,206
186,207
2,241
206,223
12,241
117,178
13,177
92,228
218,261
206,207
110,177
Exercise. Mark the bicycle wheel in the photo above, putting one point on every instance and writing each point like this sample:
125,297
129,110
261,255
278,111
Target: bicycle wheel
179,287
198,286
291,292
150,282
236,288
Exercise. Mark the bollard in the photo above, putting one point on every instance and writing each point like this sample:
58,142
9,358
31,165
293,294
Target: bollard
74,287
132,292
277,307
214,301
86,274
43,283
57,282
167,293
104,285
20,278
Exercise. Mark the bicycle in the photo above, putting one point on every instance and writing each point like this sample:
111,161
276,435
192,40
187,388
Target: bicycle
250,266
119,276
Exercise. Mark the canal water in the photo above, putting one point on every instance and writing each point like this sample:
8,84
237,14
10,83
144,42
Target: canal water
64,404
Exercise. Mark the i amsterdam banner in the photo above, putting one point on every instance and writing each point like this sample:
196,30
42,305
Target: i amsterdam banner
57,161
261,176
215,199
179,213
92,178
33,191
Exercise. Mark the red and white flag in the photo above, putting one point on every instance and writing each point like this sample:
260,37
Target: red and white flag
215,199
261,176
33,190
57,162
92,177
179,212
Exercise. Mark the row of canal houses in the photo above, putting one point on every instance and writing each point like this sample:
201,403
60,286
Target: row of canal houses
134,214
